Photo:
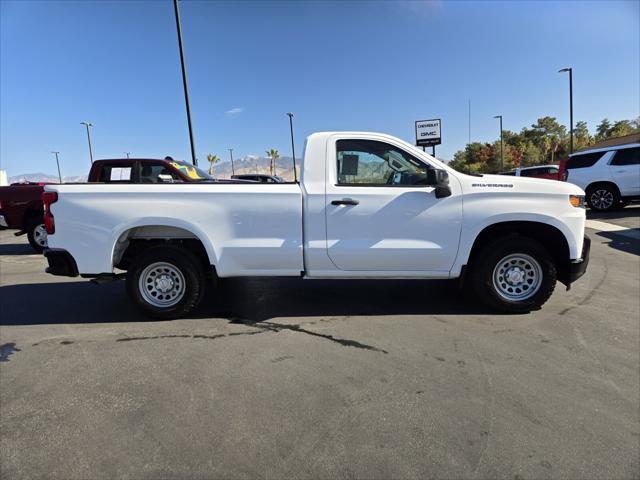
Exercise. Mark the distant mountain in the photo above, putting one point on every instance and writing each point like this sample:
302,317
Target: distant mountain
254,164
45,177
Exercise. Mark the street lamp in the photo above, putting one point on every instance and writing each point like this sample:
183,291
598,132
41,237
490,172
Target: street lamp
233,172
194,160
570,70
89,124
501,149
58,164
293,148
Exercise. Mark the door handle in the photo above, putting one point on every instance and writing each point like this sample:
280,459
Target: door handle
345,201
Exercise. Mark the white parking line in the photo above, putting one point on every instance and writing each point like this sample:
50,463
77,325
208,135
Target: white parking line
610,227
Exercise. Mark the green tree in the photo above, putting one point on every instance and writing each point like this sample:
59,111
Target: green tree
531,154
602,130
546,141
273,155
212,159
621,128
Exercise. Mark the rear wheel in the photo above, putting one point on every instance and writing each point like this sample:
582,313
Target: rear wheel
603,198
514,274
37,235
166,281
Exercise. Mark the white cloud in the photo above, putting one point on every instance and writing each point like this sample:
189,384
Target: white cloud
234,111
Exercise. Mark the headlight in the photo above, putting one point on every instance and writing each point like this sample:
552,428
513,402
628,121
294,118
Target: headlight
576,201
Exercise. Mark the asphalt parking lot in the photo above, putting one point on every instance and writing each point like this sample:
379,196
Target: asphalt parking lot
315,379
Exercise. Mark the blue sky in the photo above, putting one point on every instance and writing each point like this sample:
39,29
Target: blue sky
337,65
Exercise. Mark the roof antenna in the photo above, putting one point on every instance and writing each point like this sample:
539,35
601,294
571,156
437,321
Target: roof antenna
293,148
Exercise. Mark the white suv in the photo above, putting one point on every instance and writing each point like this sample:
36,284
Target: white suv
610,176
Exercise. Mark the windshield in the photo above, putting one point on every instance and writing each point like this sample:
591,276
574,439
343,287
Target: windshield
190,171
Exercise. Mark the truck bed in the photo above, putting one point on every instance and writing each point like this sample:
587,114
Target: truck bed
246,229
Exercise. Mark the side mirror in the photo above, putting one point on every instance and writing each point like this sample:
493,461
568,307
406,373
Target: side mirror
440,179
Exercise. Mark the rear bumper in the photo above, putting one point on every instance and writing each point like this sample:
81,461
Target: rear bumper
577,268
3,222
61,263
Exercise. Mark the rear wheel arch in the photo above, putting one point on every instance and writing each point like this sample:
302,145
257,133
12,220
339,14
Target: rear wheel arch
135,240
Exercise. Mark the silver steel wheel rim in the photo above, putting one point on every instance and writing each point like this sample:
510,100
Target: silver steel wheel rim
162,284
601,199
40,235
517,277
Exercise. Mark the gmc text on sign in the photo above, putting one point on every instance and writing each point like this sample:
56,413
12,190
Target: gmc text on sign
428,132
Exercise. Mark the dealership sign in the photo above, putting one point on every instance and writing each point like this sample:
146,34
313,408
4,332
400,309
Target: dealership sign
428,132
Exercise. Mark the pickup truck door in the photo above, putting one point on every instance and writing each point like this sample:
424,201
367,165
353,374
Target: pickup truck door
380,215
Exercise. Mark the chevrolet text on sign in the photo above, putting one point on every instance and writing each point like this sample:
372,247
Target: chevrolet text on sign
428,132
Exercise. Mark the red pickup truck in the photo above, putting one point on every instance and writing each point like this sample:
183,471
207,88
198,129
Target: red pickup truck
21,206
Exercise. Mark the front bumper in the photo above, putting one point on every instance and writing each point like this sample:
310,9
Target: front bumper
3,222
577,268
61,262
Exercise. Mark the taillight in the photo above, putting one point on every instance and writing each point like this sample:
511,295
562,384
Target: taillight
47,199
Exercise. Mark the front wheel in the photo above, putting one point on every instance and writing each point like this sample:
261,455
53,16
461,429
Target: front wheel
37,235
514,274
166,282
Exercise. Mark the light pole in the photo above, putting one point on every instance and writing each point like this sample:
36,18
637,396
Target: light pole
293,148
58,164
194,160
127,154
233,172
89,124
570,70
501,147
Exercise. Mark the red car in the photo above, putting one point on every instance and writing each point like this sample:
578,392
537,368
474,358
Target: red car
21,205
21,209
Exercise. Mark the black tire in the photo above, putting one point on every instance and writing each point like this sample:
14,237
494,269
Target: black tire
35,232
183,268
603,197
490,258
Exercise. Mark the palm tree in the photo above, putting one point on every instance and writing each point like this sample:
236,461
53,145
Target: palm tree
212,159
273,155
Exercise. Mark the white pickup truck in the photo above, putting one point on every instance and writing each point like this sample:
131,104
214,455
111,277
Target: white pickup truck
368,206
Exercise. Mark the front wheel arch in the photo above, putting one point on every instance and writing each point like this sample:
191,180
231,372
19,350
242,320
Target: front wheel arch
550,237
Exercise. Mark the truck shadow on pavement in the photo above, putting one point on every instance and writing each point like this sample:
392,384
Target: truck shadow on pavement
622,243
621,213
240,300
16,249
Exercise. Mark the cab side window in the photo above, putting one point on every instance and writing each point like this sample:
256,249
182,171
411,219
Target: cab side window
373,163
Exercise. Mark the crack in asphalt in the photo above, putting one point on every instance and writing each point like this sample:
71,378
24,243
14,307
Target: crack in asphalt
278,327
261,327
